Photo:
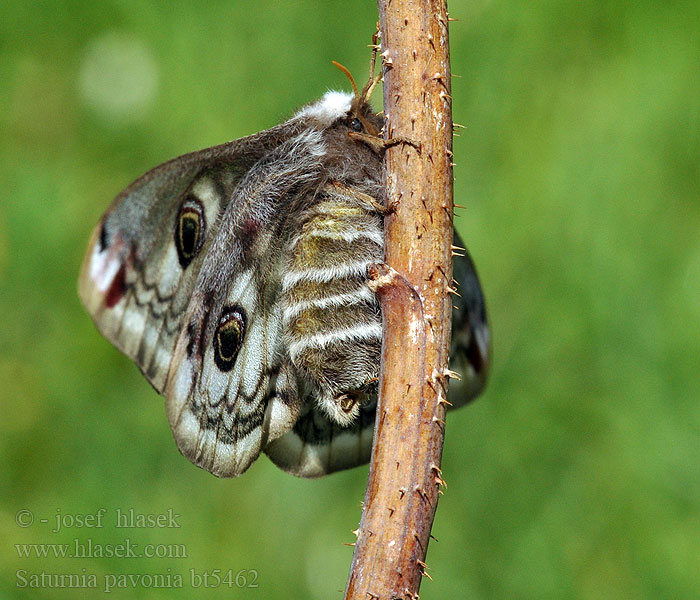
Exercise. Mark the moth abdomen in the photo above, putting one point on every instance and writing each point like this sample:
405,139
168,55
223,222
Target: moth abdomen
332,322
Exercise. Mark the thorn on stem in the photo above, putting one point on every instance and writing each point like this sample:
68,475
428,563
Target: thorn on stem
440,422
422,493
424,569
452,374
386,59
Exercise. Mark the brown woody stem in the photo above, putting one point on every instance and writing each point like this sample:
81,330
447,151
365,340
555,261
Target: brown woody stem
405,476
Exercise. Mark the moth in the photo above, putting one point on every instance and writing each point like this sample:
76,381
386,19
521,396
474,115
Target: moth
235,277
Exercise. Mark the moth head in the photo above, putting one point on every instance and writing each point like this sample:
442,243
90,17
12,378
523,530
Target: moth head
360,115
351,111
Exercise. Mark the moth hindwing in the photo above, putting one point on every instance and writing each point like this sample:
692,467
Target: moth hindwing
235,278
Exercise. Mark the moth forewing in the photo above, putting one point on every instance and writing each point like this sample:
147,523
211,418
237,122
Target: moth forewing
131,280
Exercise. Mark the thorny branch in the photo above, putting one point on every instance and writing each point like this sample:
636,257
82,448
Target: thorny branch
405,476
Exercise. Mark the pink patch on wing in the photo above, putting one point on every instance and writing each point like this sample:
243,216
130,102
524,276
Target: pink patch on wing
108,270
249,228
116,289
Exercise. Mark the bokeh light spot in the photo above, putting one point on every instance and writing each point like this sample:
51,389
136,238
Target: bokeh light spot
118,77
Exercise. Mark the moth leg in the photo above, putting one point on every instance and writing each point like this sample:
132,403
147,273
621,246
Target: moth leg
348,400
363,198
395,141
379,144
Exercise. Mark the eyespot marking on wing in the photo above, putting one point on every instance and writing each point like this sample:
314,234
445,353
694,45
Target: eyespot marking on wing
228,338
189,230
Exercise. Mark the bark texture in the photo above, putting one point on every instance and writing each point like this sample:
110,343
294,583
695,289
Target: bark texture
405,476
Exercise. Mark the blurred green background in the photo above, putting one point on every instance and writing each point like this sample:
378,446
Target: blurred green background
577,475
